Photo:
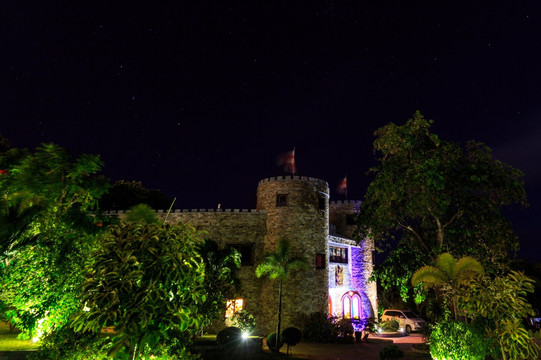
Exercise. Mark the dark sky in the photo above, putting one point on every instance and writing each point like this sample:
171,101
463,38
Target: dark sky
199,99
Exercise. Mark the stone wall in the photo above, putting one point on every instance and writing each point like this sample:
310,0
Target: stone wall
340,216
304,222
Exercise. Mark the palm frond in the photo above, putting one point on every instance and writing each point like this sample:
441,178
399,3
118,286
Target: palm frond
467,267
446,262
430,276
282,251
297,264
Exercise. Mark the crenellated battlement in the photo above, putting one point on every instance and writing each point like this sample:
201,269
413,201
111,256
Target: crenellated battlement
345,202
296,208
177,211
294,177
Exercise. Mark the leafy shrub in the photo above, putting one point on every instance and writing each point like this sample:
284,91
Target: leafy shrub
345,330
457,340
244,320
291,336
228,337
389,325
66,344
369,325
319,328
390,352
271,343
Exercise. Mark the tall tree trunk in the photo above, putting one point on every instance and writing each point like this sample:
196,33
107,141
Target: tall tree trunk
455,309
279,316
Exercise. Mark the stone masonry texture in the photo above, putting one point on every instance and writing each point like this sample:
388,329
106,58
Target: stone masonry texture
304,219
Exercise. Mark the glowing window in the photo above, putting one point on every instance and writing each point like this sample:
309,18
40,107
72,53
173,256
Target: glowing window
351,305
347,307
232,306
330,306
338,254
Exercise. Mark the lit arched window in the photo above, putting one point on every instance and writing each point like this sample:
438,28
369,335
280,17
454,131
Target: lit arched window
351,305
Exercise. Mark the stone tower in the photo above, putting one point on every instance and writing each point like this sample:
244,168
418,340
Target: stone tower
342,223
297,209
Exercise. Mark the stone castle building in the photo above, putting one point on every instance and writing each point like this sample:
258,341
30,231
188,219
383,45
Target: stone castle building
297,208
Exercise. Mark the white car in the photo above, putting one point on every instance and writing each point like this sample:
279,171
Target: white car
409,321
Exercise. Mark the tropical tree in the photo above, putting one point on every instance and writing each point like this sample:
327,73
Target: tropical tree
440,196
143,214
46,233
499,306
447,275
221,280
125,194
147,282
278,265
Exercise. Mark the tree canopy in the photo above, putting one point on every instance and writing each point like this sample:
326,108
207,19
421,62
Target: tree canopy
125,194
440,196
46,232
147,282
447,275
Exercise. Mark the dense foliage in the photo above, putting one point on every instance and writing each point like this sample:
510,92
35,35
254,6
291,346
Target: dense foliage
499,306
221,280
46,233
453,340
394,277
244,320
440,196
389,325
141,214
447,276
146,282
125,194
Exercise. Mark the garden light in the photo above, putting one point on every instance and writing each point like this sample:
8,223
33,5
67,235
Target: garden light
245,335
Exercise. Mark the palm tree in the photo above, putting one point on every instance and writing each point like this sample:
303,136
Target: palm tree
448,274
278,265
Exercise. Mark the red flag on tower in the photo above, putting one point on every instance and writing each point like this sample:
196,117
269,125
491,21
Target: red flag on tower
287,160
343,187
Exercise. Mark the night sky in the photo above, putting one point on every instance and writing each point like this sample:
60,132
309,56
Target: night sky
199,99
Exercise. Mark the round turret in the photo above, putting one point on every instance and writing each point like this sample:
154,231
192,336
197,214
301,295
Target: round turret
297,209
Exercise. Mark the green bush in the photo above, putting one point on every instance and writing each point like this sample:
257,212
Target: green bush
69,345
345,327
244,320
229,337
389,325
390,352
271,343
291,336
457,340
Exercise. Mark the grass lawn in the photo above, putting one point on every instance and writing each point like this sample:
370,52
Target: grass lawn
9,341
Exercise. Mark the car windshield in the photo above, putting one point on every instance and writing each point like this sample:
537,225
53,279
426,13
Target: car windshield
410,314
